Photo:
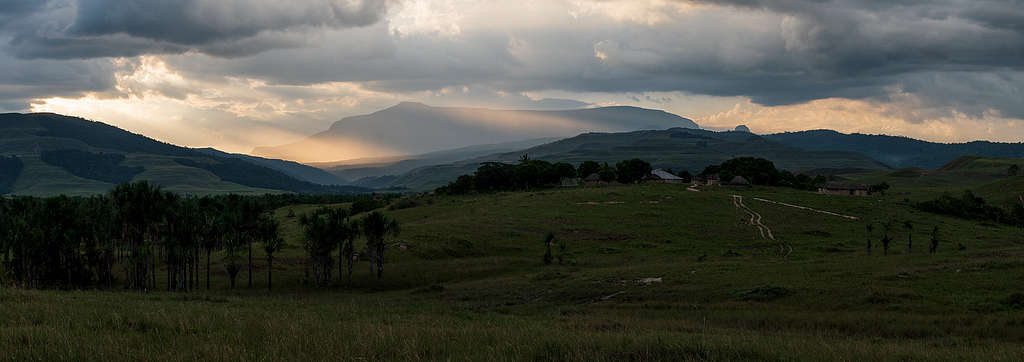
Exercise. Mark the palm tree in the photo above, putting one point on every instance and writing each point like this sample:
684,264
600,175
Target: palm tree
318,244
886,226
548,240
344,232
870,227
272,243
211,229
909,225
138,208
375,228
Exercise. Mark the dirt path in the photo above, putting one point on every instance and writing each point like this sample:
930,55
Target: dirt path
756,220
807,208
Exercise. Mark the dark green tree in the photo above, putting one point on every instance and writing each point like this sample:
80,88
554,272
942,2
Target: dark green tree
588,168
272,241
548,240
375,228
909,225
632,171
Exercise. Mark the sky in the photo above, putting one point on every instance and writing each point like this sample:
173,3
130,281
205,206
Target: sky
235,74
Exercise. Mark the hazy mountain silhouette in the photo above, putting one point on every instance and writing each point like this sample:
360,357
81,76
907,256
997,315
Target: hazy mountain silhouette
415,128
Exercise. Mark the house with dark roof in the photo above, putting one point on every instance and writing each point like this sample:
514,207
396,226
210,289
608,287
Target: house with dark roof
838,188
708,180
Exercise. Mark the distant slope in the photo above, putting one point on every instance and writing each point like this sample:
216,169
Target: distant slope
980,164
897,152
293,169
73,156
414,128
677,148
384,169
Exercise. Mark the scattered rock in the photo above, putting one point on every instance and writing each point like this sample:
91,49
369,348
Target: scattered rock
764,293
648,281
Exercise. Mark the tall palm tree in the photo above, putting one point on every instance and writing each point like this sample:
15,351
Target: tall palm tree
870,227
319,243
344,232
909,225
138,208
272,243
376,227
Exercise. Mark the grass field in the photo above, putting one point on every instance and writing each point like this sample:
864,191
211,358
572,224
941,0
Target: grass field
465,281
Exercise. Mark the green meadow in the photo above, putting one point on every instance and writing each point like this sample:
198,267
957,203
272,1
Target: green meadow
648,272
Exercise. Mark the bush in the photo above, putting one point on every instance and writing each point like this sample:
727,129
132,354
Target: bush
404,203
364,205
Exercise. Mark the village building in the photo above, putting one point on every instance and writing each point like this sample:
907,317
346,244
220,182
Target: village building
592,179
569,181
836,188
662,177
709,180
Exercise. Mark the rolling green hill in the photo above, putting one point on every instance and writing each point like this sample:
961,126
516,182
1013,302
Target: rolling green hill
74,156
897,152
676,148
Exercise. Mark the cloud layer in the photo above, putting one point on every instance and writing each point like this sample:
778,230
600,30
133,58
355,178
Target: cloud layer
959,59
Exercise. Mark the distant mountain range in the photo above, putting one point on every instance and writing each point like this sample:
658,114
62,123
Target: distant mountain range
414,128
50,154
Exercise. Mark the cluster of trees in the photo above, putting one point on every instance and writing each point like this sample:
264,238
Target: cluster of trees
498,176
330,229
530,174
760,171
77,242
136,228
889,227
969,206
105,167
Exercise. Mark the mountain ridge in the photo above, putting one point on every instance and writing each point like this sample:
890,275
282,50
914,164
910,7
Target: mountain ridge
416,128
75,156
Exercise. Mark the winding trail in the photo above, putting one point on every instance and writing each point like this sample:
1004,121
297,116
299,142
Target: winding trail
756,220
806,208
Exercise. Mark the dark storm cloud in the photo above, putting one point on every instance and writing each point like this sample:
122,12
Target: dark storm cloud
67,29
776,52
72,38
198,22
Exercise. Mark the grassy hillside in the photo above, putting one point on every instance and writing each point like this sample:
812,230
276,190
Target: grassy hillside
650,272
991,166
897,152
73,156
677,149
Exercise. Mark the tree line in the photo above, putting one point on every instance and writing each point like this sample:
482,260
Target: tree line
123,238
969,206
529,173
